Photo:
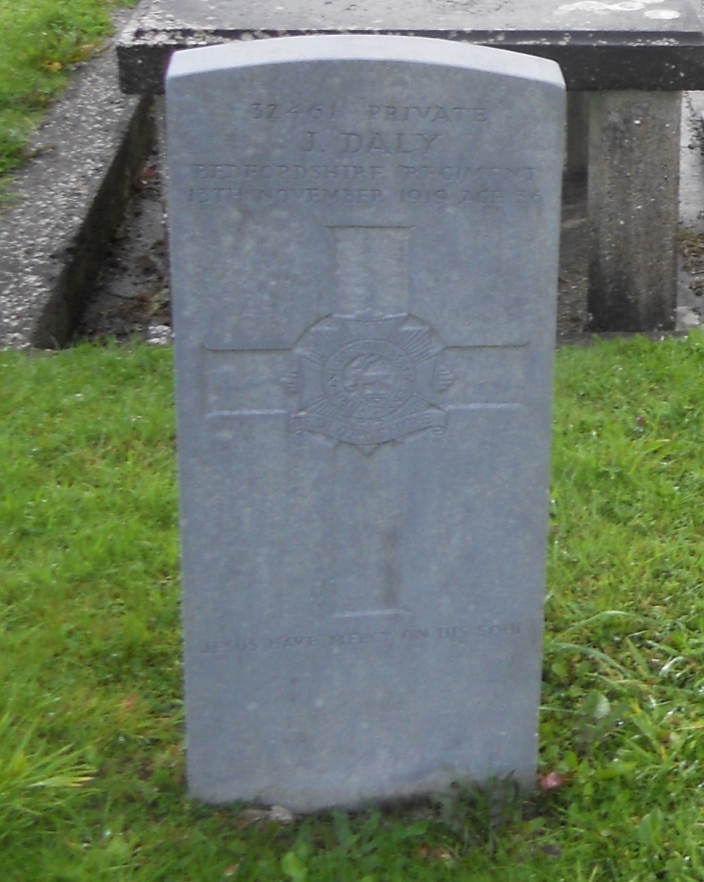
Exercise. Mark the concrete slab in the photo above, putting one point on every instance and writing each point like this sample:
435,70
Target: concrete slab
598,45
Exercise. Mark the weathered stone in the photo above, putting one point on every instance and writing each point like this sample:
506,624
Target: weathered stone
364,239
634,155
599,44
577,153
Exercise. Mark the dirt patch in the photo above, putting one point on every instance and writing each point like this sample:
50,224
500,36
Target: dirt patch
133,298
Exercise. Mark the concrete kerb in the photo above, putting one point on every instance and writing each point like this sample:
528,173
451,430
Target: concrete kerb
66,203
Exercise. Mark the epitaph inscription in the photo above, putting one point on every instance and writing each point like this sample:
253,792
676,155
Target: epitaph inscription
363,235
363,639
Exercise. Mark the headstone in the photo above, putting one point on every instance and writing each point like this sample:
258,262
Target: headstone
364,240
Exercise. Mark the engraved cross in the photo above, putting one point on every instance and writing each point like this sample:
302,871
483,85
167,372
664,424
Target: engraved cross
367,376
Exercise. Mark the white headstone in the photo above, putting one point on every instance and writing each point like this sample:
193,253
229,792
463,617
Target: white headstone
364,239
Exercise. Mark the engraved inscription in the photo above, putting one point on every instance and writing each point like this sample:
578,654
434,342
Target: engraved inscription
380,143
486,175
341,173
344,173
367,380
434,113
258,110
348,639
367,156
364,183
370,377
285,196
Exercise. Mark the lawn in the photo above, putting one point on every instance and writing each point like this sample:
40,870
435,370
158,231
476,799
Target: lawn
91,762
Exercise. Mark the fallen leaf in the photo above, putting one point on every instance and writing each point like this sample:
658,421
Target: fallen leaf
552,781
446,855
441,853
147,175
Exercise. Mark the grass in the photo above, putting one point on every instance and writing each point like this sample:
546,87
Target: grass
40,42
91,766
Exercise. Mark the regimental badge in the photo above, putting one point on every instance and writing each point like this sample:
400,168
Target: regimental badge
368,379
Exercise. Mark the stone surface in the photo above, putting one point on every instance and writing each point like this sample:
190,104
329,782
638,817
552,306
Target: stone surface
65,204
364,237
577,152
599,44
634,155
